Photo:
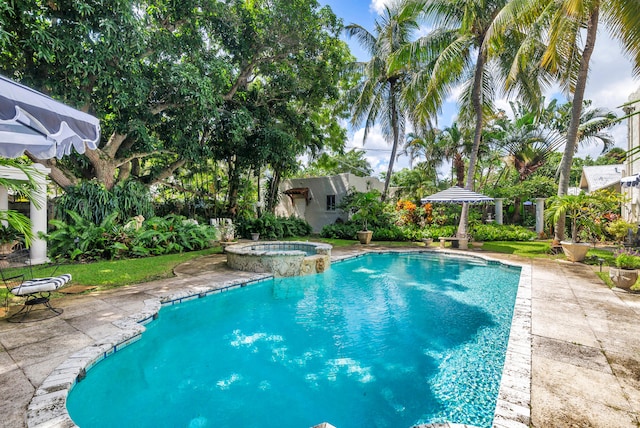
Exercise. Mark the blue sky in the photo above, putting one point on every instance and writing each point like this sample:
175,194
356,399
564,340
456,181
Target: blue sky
610,83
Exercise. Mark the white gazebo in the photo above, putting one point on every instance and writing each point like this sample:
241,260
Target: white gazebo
37,211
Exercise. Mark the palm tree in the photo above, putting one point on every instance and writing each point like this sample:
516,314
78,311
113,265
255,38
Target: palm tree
593,122
559,25
456,55
378,95
455,143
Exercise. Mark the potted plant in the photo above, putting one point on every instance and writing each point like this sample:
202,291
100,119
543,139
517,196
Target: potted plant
582,211
625,272
9,237
365,206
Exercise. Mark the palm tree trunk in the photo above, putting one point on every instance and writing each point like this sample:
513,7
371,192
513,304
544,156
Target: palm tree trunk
473,158
396,139
576,112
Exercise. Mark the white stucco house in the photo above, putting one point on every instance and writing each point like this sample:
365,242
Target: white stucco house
631,175
315,199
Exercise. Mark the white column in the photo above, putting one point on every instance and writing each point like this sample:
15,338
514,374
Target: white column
38,214
4,202
498,202
539,215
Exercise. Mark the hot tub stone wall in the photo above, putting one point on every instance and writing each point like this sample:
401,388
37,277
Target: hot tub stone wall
280,258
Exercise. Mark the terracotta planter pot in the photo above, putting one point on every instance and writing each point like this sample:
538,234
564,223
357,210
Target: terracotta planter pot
364,236
575,251
623,278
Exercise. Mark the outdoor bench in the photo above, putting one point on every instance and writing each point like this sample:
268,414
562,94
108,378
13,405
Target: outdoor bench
462,243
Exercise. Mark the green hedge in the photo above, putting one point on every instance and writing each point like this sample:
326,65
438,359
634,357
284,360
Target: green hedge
480,232
497,232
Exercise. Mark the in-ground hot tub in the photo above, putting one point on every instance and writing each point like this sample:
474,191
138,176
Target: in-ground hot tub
280,258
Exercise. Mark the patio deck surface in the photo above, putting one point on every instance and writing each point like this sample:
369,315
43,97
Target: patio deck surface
585,351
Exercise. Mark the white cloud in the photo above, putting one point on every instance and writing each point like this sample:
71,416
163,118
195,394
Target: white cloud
378,5
377,149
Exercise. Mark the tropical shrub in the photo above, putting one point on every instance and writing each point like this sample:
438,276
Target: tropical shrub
499,232
346,230
92,201
83,240
587,214
434,232
272,227
170,234
408,213
367,210
391,233
620,228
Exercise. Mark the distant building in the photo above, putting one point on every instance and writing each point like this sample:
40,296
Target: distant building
315,199
631,177
601,177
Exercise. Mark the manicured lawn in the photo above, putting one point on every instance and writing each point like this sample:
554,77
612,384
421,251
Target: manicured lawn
118,273
527,248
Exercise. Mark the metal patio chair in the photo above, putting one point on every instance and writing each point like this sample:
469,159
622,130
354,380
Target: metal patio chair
29,282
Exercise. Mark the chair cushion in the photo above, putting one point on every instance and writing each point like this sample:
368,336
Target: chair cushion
38,285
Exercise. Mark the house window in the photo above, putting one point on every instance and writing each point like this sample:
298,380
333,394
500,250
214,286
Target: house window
331,202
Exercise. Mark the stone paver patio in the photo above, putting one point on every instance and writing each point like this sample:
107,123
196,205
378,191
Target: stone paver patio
585,349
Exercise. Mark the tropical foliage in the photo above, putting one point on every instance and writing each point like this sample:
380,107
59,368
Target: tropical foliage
271,227
206,106
92,201
84,240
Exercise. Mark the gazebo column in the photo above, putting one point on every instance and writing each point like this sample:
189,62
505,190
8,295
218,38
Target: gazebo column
539,215
4,202
498,202
38,215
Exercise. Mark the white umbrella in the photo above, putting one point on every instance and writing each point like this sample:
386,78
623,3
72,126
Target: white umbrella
457,195
34,122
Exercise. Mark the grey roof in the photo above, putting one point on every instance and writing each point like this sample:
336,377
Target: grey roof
600,177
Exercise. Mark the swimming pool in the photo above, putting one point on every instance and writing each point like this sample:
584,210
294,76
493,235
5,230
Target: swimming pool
382,340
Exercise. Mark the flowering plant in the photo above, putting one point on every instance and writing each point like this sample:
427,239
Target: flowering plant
627,258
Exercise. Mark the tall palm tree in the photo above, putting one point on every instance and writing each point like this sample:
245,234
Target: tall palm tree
378,96
559,25
456,55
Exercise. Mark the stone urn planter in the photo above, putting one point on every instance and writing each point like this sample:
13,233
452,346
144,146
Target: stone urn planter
364,236
623,278
575,251
255,236
6,248
427,241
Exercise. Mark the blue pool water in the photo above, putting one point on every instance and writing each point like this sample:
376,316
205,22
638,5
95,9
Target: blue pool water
384,340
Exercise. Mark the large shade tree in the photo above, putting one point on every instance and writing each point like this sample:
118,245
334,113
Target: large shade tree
162,75
288,59
142,67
